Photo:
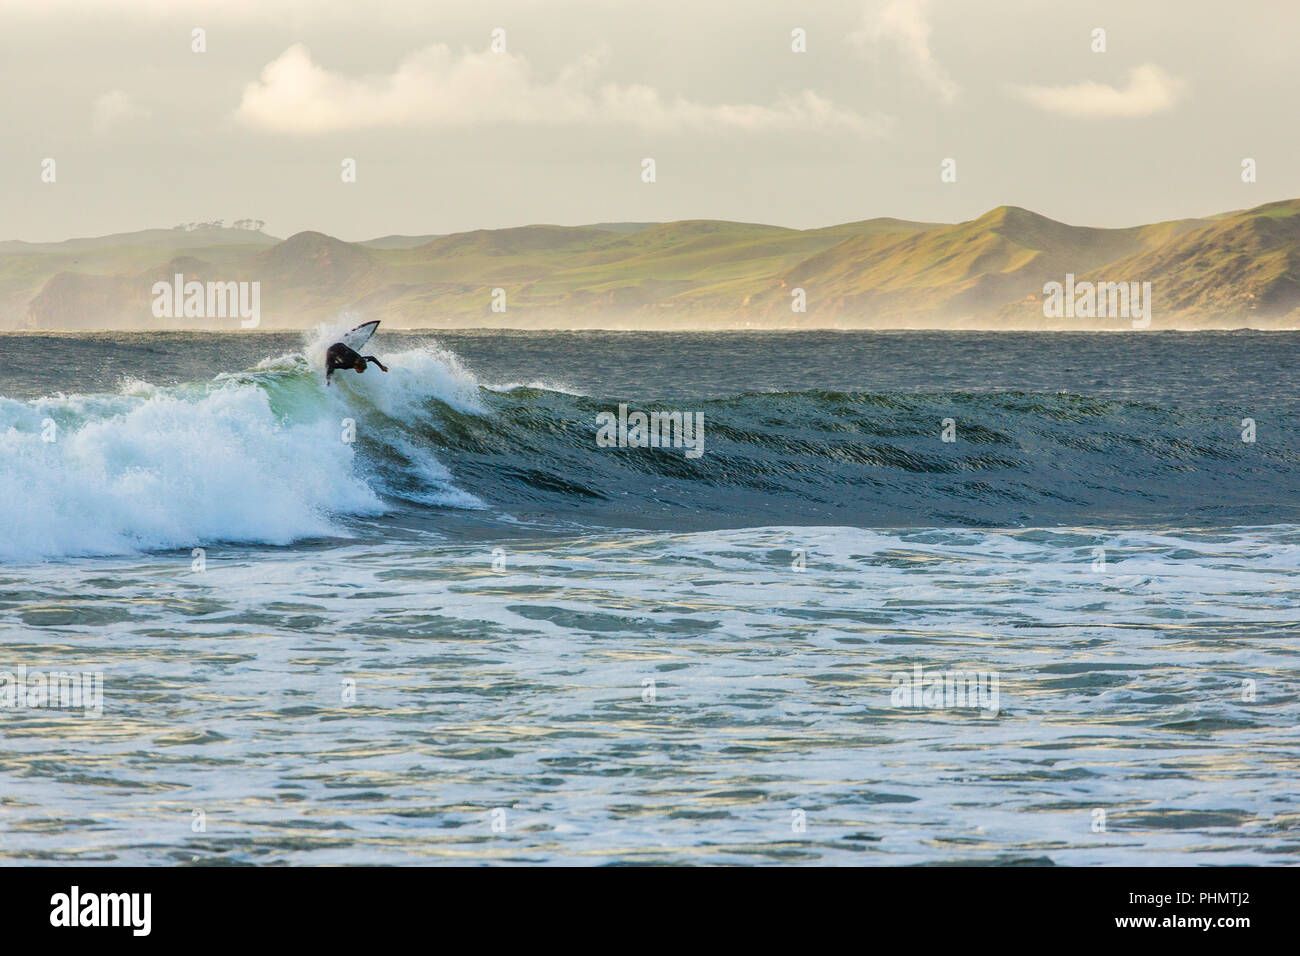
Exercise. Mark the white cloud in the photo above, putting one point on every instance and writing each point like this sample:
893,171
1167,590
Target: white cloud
1150,90
905,25
435,88
113,109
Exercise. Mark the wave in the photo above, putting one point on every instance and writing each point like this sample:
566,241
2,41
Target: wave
271,455
864,459
267,455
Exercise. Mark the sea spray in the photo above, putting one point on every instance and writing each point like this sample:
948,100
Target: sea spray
249,456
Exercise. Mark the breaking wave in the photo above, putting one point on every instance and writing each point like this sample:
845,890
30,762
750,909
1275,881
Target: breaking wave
271,455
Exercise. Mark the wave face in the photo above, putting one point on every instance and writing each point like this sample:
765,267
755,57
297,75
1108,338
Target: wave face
879,460
259,456
271,455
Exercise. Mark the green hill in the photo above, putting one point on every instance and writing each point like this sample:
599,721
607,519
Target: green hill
37,289
1247,264
1238,268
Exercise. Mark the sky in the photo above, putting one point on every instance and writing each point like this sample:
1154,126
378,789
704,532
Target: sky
491,113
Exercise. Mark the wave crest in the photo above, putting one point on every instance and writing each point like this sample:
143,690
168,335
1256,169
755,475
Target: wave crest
263,455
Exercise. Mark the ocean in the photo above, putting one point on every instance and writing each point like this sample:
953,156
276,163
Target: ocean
920,598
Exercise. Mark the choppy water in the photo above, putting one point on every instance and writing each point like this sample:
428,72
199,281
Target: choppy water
472,635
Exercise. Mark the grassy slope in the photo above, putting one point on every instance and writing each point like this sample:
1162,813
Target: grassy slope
988,271
1245,263
965,270
28,267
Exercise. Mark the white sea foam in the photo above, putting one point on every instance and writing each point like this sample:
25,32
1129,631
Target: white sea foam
252,456
166,472
415,375
651,672
543,385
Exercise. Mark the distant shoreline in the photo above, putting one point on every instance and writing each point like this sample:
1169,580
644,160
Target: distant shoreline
509,330
1010,269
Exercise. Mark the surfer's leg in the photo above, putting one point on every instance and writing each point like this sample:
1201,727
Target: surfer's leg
382,366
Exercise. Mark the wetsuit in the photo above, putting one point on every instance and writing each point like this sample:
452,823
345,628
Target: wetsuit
340,356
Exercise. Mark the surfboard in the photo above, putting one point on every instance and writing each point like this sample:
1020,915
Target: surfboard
359,336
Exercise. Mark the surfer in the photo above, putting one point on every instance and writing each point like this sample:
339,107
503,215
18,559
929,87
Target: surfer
344,354
340,356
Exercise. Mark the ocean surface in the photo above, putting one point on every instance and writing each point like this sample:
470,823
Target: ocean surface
428,617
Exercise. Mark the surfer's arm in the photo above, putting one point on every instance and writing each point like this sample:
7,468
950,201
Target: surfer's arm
371,358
